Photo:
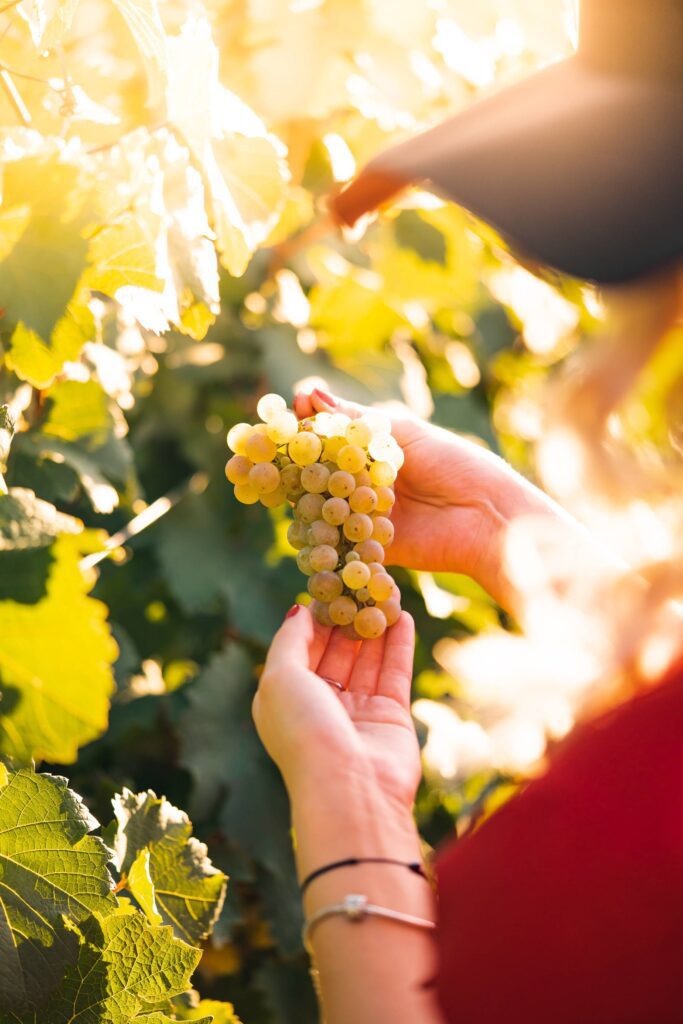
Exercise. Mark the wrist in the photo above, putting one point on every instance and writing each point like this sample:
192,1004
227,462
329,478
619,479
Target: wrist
349,816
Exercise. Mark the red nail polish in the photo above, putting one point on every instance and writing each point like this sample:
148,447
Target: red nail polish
328,399
292,611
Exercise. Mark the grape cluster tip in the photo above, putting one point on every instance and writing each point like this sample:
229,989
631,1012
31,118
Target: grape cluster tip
338,476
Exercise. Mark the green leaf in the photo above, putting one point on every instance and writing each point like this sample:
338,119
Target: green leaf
218,1012
144,21
49,867
45,210
125,968
95,466
30,358
234,775
48,20
187,891
55,664
78,409
140,885
27,522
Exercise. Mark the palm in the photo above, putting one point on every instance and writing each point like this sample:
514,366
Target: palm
387,737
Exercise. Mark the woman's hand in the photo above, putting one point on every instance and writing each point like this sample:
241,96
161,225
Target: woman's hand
315,731
454,499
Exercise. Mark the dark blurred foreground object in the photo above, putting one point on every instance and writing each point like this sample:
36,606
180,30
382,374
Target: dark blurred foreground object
579,166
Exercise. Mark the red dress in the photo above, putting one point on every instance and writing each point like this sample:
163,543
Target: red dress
566,907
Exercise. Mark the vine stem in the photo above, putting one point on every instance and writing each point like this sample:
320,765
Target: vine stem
14,96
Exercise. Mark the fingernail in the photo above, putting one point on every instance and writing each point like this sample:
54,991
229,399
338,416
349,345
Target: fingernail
292,611
324,395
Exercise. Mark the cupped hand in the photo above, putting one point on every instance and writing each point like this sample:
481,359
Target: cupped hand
453,498
311,728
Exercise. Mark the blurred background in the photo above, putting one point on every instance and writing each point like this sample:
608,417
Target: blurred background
158,164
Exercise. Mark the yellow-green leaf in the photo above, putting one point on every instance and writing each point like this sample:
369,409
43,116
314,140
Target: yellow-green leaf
55,664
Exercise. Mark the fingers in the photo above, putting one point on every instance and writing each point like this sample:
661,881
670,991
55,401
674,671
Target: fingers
396,673
365,673
299,640
320,401
338,659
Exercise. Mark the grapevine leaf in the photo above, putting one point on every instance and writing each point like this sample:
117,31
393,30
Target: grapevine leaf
78,409
140,885
48,20
27,522
30,358
243,164
125,968
55,664
231,770
144,21
187,891
219,1012
95,466
49,867
46,205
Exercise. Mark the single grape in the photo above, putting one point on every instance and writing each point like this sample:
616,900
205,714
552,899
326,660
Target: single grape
322,424
309,507
237,469
274,498
396,456
380,447
323,557
383,530
325,586
341,485
351,556
283,427
355,575
363,478
381,586
297,534
303,560
391,609
264,477
385,498
349,632
291,479
382,474
363,595
359,433
305,448
343,610
269,405
339,421
246,494
335,511
321,613
375,567
260,448
370,551
321,532
370,623
260,428
358,527
333,446
351,458
363,499
314,478
283,461
378,422
238,436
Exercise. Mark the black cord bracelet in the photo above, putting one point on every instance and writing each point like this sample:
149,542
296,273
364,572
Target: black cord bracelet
414,866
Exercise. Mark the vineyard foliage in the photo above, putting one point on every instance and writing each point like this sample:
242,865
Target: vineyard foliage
157,159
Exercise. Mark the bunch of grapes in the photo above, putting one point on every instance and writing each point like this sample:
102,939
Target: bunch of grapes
338,475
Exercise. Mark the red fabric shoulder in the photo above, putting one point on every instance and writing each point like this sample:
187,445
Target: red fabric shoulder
566,907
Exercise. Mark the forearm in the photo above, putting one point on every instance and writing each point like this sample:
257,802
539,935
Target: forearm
373,971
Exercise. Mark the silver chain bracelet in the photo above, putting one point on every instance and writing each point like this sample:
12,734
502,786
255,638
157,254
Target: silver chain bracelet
356,907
